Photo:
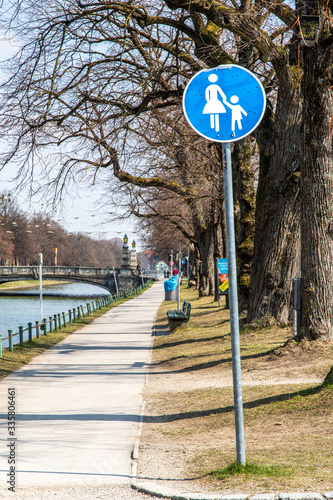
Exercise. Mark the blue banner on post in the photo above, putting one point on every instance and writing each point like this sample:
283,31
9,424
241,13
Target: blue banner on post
222,265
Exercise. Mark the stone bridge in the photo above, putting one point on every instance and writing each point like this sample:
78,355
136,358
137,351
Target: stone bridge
103,277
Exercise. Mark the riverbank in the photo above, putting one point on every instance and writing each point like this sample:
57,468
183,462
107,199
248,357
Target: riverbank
10,285
188,438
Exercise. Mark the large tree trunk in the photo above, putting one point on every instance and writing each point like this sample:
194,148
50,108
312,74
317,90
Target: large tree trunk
276,257
317,193
205,239
244,202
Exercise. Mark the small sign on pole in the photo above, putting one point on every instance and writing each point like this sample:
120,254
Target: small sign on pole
55,255
222,266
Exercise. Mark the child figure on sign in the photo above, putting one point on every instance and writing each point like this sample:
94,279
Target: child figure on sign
236,113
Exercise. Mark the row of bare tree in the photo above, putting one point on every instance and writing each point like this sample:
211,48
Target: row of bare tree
96,88
22,238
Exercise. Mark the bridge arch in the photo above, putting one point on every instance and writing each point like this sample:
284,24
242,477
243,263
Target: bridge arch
102,277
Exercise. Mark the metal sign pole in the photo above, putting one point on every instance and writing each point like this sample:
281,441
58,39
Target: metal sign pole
233,297
41,287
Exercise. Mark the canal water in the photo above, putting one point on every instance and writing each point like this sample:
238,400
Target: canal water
20,310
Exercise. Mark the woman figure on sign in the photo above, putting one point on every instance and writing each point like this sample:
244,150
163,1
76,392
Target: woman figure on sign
214,106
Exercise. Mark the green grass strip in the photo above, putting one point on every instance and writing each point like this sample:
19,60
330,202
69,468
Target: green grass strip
250,469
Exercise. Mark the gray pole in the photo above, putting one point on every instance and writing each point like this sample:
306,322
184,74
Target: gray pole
179,280
233,297
217,282
115,280
41,287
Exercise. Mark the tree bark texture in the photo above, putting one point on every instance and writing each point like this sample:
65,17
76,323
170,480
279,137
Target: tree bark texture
276,256
317,194
205,241
244,202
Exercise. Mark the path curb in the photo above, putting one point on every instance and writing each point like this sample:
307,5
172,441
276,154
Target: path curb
164,492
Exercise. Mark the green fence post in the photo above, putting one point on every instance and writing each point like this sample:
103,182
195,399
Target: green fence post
10,339
74,314
21,335
0,345
51,326
30,331
55,319
82,311
59,321
70,316
78,312
37,329
45,326
64,319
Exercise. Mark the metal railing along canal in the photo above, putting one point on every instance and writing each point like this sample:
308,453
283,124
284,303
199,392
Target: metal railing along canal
60,320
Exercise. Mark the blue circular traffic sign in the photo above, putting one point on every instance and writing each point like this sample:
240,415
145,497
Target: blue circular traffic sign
224,104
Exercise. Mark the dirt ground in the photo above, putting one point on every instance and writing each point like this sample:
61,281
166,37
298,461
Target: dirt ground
188,428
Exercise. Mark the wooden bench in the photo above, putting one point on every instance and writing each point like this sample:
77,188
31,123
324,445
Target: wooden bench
177,318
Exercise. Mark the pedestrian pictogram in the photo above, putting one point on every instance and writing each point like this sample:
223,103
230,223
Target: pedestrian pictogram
224,104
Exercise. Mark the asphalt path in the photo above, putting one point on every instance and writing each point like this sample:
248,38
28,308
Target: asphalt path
78,405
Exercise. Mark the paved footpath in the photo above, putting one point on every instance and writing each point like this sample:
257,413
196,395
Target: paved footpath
78,405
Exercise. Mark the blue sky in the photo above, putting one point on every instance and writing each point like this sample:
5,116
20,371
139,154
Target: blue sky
79,212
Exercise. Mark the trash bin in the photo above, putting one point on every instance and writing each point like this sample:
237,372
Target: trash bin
170,288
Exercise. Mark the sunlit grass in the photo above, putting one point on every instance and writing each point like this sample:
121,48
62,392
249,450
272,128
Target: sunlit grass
288,419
